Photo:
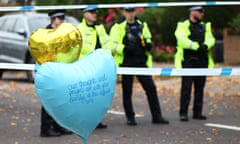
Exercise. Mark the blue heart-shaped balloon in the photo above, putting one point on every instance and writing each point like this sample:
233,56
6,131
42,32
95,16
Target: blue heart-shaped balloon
77,95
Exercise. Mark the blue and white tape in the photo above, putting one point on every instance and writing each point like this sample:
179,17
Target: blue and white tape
160,4
179,72
148,71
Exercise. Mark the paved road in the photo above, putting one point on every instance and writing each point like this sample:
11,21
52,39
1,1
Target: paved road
20,115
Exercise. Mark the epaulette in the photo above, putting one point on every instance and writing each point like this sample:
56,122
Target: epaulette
121,19
183,19
137,18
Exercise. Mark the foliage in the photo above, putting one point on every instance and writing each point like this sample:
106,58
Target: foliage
169,21
235,24
164,53
162,20
153,17
53,2
221,15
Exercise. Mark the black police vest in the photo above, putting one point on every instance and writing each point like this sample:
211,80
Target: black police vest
138,57
198,35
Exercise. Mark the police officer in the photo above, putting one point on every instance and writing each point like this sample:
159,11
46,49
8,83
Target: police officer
194,43
49,128
56,18
133,44
94,36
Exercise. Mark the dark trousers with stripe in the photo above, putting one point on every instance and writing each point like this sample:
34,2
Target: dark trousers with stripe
150,89
198,83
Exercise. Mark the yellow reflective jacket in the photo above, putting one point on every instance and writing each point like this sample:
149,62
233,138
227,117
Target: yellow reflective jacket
182,34
89,36
117,34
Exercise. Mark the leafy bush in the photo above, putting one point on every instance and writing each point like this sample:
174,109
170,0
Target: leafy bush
153,17
164,53
235,24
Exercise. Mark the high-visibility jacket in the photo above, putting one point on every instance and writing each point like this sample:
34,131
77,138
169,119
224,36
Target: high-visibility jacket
182,34
117,34
89,36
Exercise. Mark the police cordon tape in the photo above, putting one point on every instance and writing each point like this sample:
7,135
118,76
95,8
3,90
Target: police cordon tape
152,4
148,71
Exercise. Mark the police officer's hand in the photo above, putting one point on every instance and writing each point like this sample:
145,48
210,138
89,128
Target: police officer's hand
148,46
202,47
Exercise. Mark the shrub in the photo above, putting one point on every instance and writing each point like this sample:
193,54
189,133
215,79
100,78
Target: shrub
164,53
235,24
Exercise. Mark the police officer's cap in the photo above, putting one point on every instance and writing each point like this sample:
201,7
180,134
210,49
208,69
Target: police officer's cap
130,9
57,13
89,9
196,8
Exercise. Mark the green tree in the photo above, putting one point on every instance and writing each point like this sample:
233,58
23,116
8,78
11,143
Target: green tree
162,20
235,24
153,17
53,2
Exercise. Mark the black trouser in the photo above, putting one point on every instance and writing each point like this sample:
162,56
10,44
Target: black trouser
47,122
187,81
150,89
199,83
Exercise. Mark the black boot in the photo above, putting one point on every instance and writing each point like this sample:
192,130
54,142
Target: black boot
64,131
199,117
50,133
160,120
184,117
131,122
101,126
